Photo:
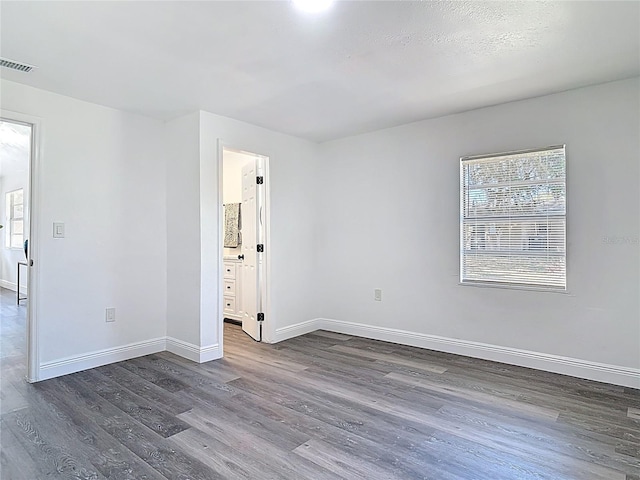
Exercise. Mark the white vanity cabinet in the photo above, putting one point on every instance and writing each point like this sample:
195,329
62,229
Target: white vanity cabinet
232,291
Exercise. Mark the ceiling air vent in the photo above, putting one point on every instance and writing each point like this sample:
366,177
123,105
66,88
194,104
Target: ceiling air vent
22,67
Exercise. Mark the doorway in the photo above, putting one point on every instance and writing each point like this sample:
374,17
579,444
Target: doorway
17,335
244,246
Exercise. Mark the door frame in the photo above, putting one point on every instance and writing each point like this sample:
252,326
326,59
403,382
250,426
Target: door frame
265,281
32,325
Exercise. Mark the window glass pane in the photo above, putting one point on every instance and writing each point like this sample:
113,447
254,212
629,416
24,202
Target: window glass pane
17,197
516,270
18,211
16,241
513,226
16,227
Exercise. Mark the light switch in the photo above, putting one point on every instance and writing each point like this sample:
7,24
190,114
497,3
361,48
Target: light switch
58,230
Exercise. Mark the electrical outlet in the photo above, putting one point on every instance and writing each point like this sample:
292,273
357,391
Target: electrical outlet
110,315
377,294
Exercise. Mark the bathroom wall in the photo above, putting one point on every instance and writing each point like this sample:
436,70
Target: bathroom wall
232,164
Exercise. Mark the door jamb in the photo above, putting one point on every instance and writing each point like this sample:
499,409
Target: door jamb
32,325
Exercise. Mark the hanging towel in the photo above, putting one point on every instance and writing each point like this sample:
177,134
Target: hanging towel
232,225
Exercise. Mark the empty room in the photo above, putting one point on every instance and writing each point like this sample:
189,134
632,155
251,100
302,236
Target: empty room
320,239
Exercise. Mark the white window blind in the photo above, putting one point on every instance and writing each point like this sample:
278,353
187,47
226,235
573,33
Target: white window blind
513,219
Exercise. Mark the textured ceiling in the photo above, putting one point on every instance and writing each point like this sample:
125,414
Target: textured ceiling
359,67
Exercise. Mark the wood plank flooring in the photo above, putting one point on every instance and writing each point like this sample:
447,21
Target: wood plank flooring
320,406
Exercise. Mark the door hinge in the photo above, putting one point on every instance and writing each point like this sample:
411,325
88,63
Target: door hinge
261,317
260,180
260,248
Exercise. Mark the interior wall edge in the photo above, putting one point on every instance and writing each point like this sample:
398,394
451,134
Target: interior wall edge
193,352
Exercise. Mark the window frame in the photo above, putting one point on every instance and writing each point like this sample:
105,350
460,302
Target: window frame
506,284
9,208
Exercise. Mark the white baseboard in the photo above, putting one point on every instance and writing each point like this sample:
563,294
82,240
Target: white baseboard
98,358
8,285
613,374
296,330
193,352
77,363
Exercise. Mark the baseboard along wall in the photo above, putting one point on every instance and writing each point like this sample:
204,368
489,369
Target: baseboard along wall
98,358
613,374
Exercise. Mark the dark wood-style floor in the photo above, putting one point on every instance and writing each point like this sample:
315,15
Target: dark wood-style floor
321,406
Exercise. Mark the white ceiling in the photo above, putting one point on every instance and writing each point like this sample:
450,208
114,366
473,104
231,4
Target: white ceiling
359,67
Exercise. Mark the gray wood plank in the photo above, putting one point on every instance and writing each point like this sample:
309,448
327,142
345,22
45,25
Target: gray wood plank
333,336
391,358
154,393
50,455
153,415
521,407
110,457
15,461
144,442
268,460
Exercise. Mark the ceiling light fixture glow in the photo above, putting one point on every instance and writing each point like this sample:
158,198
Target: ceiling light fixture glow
313,6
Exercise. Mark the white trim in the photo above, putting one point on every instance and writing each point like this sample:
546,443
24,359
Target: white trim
613,374
193,352
33,277
8,285
12,286
98,358
220,293
210,352
77,363
600,372
269,324
297,329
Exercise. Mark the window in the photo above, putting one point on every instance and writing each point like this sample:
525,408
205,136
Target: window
15,219
513,219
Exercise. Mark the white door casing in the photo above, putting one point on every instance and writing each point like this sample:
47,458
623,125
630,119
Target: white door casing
33,331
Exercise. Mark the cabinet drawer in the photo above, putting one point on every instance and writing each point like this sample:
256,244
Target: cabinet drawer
230,271
229,304
229,287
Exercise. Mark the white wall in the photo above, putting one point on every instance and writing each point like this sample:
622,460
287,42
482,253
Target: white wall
389,219
194,205
194,211
293,199
183,229
102,173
